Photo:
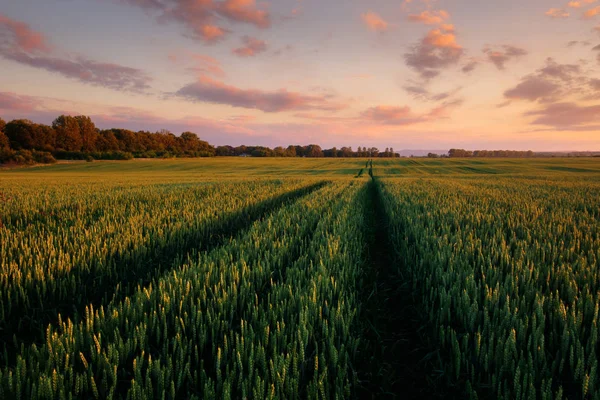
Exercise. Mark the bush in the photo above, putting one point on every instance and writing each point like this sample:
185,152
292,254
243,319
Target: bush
25,157
89,158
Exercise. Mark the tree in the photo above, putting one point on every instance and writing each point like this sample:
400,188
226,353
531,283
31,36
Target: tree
290,151
346,152
68,136
88,132
224,151
314,150
4,142
21,134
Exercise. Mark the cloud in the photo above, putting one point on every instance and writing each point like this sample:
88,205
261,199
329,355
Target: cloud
592,12
557,13
549,83
421,93
200,17
21,37
25,46
499,57
580,3
597,48
402,116
566,115
202,64
430,17
374,21
533,88
252,47
437,50
10,101
391,115
470,66
211,91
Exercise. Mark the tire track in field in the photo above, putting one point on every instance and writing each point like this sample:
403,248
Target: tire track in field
396,362
31,328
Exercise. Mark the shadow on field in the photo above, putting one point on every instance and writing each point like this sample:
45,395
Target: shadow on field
396,361
28,328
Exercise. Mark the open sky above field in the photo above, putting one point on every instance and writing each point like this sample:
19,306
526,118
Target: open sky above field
408,74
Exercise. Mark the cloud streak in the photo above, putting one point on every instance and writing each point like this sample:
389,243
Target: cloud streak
251,47
25,46
211,91
499,57
202,17
430,17
374,22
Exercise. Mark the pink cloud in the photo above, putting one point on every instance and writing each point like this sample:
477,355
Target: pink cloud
21,36
201,64
566,115
437,50
201,16
499,57
252,47
557,13
10,101
374,21
400,116
211,91
25,46
430,17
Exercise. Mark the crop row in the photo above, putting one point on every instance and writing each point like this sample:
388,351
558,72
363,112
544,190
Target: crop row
507,274
65,248
267,315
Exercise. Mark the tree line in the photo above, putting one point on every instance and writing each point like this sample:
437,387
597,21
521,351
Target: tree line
77,137
462,153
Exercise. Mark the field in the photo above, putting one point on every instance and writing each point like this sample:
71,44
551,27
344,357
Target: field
301,278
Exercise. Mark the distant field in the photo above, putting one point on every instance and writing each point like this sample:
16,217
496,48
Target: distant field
301,278
235,167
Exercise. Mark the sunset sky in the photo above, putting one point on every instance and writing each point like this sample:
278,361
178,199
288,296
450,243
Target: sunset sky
412,74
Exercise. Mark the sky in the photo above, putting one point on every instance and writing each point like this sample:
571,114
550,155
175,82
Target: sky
407,74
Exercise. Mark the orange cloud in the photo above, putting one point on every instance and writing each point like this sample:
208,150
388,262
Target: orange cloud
210,33
201,16
580,3
443,37
430,17
212,91
557,13
252,47
437,50
374,21
244,11
591,13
